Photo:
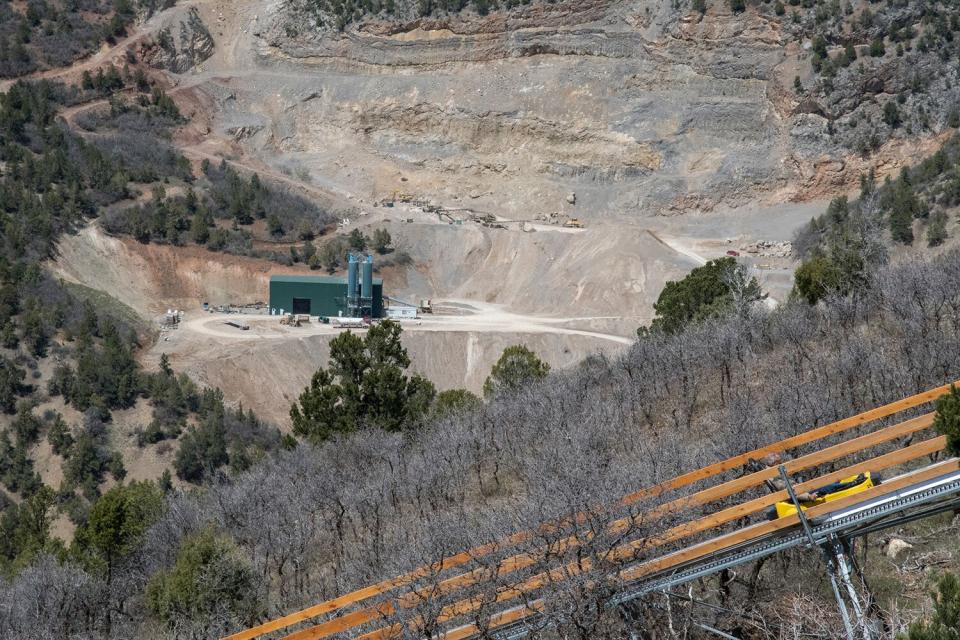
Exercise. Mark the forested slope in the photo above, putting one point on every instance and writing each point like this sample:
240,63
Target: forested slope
371,504
255,525
41,34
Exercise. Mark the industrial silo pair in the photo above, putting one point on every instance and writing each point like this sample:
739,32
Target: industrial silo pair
360,295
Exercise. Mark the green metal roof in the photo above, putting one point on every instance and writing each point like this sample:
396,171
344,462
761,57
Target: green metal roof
316,279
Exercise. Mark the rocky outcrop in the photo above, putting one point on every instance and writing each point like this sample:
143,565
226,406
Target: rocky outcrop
642,107
565,148
582,28
193,45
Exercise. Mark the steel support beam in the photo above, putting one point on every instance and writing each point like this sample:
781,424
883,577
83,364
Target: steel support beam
828,557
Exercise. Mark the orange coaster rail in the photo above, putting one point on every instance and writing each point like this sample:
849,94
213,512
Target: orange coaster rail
379,611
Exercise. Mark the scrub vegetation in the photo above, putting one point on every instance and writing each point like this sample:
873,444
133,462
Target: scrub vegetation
380,473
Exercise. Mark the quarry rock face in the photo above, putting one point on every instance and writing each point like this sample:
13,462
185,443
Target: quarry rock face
638,108
641,107
181,47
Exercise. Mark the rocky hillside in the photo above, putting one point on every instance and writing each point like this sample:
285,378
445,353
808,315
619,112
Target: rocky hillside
641,107
54,33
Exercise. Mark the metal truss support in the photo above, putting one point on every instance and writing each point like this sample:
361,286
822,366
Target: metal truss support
841,553
832,570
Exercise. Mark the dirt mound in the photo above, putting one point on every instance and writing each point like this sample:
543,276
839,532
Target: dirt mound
151,278
606,270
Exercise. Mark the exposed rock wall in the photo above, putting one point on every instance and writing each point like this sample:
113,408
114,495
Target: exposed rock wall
192,45
642,107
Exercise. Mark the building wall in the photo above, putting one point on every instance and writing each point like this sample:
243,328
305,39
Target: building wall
326,298
401,312
378,300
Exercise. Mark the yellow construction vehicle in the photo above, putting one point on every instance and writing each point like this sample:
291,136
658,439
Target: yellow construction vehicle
573,223
402,196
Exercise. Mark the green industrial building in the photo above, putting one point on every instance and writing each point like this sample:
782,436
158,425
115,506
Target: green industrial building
321,296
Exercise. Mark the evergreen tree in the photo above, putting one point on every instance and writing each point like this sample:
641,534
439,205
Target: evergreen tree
937,229
947,419
945,624
358,241
60,437
517,367
901,226
381,240
116,525
364,384
891,114
11,380
705,292
203,449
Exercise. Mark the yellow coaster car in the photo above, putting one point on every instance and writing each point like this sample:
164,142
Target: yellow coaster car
834,491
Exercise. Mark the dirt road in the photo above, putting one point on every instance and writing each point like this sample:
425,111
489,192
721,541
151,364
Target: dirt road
481,318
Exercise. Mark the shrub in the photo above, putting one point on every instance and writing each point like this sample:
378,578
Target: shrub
947,419
209,579
816,278
517,367
453,401
945,624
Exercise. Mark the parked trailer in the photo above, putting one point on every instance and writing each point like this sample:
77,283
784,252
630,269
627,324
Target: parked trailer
348,323
243,326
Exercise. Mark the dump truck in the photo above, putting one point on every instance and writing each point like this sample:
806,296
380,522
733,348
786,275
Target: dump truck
573,223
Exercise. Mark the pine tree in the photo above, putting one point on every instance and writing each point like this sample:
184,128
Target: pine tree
901,225
937,229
